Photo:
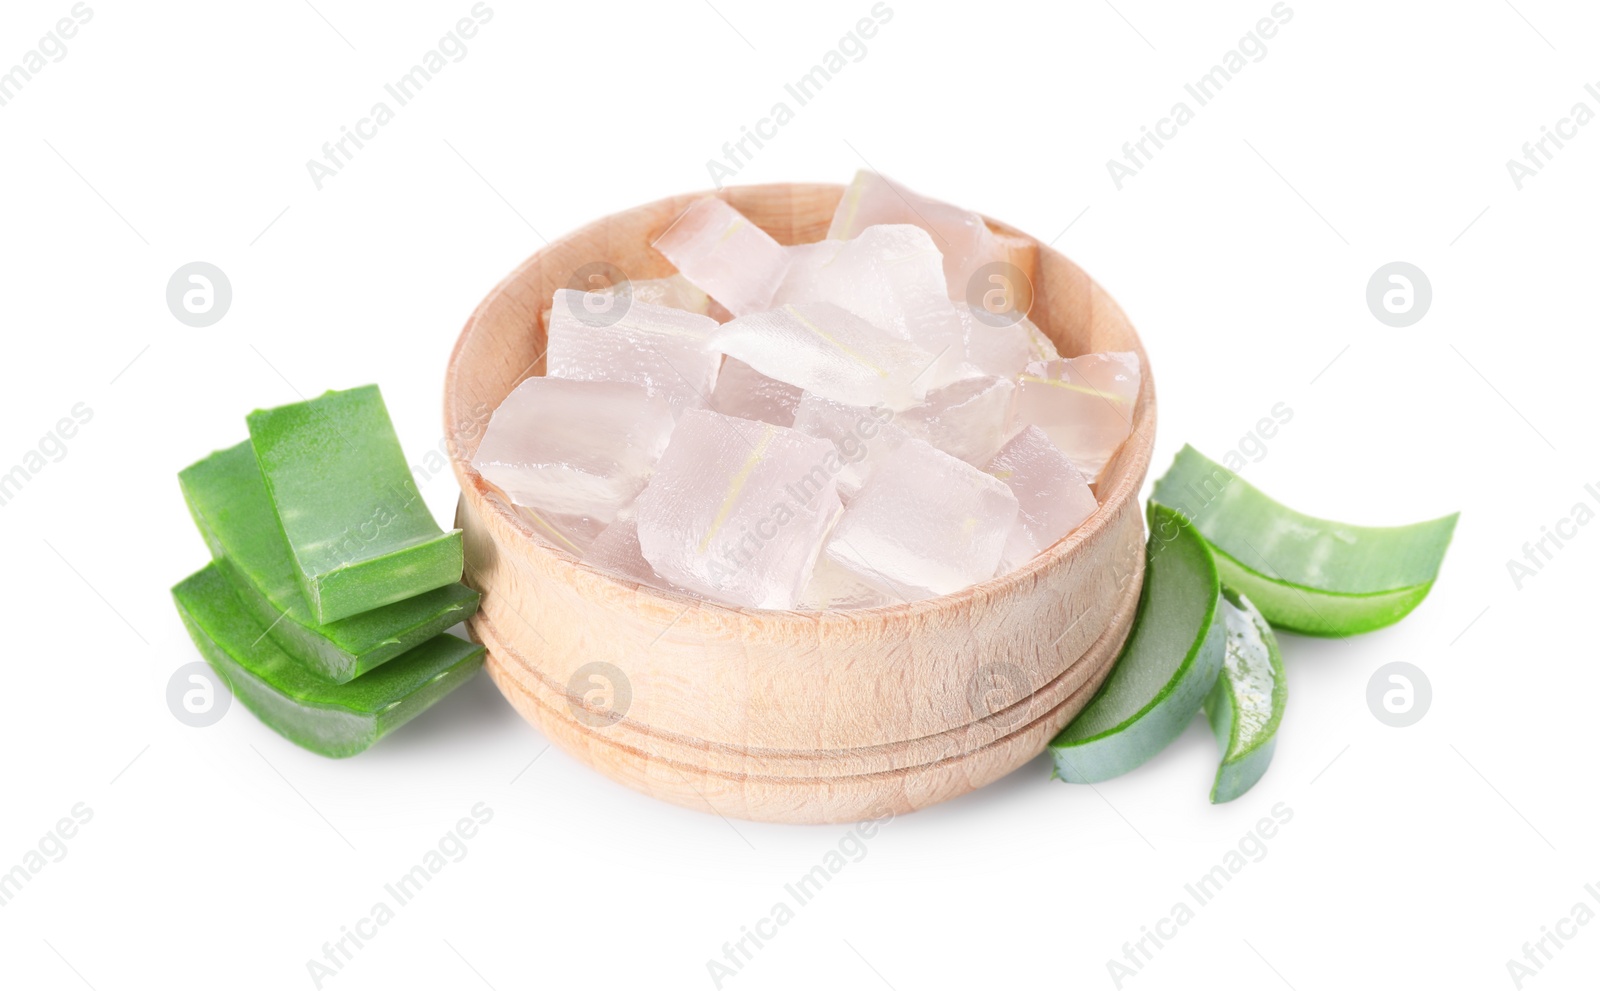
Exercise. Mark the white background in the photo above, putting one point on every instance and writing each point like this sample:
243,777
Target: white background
1370,132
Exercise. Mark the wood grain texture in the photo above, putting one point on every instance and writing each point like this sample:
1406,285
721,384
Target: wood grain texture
789,716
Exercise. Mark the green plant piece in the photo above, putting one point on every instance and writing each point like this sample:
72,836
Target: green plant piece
356,525
1167,666
1305,574
230,505
1246,704
323,717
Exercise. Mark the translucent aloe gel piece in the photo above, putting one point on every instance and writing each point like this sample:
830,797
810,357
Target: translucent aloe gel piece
1305,574
357,527
1168,664
231,507
325,718
1246,704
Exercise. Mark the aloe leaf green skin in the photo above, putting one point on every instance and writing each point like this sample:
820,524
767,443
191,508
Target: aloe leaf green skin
1246,704
1305,574
230,506
1169,663
357,527
323,717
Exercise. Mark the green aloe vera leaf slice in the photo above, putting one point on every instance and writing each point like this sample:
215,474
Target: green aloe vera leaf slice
323,717
358,530
1168,664
1308,611
1246,704
230,505
1305,574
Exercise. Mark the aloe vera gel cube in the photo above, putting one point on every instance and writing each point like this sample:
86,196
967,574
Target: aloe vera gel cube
231,507
357,528
323,717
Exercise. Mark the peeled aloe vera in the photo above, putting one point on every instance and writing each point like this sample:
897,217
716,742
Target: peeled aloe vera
1305,574
1246,704
1169,663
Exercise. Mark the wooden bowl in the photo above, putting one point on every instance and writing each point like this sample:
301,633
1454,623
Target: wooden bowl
787,716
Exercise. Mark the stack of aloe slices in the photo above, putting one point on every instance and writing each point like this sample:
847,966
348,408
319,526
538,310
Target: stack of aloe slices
330,587
1225,564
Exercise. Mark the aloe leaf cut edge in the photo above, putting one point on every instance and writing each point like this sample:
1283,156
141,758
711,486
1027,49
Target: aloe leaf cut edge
335,720
1246,704
1166,668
